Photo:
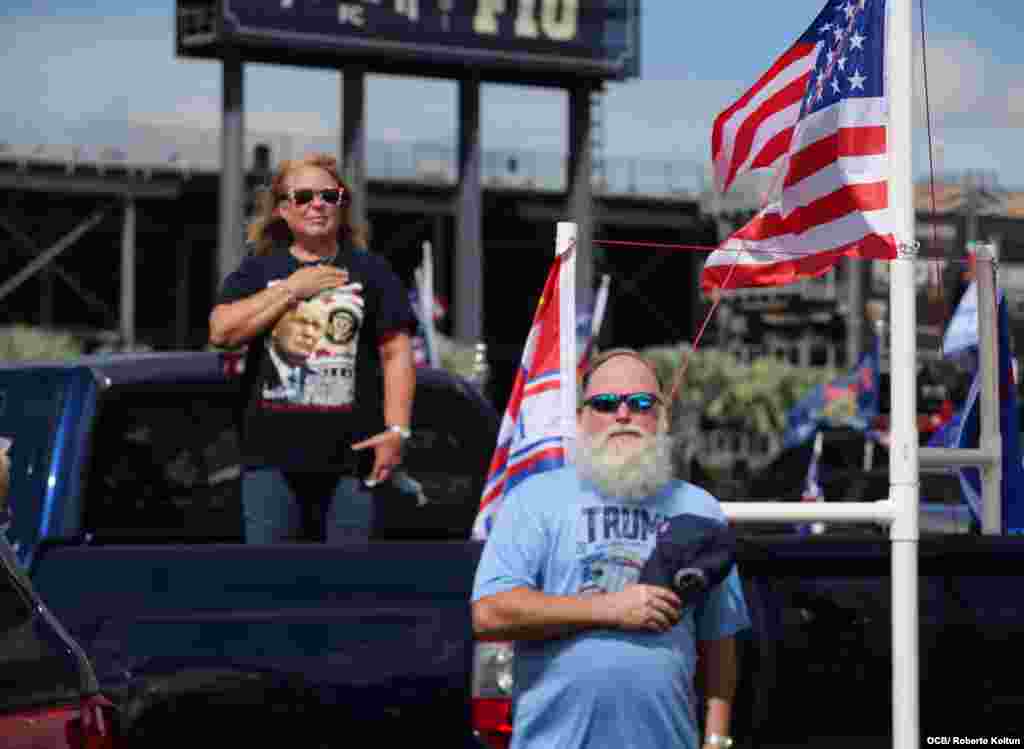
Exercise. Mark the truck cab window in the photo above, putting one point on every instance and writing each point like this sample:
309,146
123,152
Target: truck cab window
165,467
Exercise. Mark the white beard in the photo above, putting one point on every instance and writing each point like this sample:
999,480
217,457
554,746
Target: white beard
633,474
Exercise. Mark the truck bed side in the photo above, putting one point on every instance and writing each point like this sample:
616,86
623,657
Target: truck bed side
817,666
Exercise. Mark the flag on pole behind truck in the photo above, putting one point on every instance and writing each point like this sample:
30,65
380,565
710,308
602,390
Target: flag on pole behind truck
588,327
532,437
958,341
813,491
850,401
424,340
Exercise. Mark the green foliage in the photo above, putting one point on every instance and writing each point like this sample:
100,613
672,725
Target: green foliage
754,397
23,342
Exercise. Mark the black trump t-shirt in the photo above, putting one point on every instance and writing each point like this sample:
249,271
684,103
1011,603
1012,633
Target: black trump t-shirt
303,412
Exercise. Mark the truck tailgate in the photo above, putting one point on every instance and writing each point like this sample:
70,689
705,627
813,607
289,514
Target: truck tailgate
377,634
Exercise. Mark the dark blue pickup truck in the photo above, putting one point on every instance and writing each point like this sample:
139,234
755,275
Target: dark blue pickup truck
127,518
126,512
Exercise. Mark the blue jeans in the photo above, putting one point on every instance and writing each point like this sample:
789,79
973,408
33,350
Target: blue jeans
282,506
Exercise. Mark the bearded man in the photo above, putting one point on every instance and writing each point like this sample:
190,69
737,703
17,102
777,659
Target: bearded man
601,660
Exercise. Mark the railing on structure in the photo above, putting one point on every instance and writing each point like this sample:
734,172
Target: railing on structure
820,289
171,147
723,448
810,350
143,161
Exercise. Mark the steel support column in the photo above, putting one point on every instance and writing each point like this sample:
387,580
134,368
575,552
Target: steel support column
127,307
353,141
183,290
230,240
581,198
46,297
469,254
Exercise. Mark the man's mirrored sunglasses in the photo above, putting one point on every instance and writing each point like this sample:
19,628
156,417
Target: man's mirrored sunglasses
638,403
332,196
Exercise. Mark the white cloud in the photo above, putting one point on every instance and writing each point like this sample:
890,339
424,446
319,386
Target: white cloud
71,70
957,69
968,87
666,117
204,113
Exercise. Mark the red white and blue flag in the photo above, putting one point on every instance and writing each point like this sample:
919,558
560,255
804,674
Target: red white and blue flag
534,435
588,327
812,487
819,116
967,433
812,491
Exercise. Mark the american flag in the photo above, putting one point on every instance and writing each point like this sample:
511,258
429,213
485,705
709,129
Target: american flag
819,116
533,434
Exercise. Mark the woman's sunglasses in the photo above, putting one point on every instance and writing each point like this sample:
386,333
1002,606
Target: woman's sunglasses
607,403
332,196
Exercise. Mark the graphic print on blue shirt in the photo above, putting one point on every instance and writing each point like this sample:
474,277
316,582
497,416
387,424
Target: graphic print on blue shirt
613,543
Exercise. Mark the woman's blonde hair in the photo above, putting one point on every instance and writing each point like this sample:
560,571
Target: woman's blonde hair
267,229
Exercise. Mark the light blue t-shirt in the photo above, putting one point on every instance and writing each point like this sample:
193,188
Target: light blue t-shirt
601,688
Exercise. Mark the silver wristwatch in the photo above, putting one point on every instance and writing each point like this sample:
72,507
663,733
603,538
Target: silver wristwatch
717,739
404,432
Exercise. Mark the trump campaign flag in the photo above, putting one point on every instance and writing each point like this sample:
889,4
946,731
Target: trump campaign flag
1009,426
848,401
812,491
588,327
428,309
538,429
819,116
424,341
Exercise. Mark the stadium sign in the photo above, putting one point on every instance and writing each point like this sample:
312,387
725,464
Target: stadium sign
538,41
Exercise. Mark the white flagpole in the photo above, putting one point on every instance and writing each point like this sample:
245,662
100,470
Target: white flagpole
565,247
990,437
427,305
904,487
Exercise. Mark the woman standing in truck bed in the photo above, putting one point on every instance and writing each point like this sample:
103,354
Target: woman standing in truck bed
329,368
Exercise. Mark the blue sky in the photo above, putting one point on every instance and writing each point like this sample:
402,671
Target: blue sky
87,71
